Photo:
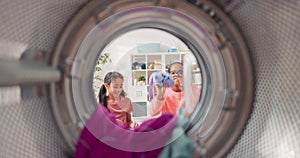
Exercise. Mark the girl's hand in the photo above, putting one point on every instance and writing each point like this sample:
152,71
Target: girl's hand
178,87
133,124
160,91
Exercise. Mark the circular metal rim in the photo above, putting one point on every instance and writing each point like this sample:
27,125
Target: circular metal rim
230,113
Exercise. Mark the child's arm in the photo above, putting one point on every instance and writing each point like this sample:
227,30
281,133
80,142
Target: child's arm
131,123
156,106
158,101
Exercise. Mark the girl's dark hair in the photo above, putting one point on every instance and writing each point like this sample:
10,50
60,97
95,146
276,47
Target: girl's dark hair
107,79
169,67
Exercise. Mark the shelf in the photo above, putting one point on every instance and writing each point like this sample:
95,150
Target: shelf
157,61
161,53
155,69
143,70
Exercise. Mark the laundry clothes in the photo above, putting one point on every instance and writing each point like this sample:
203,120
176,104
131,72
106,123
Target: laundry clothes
180,145
159,78
104,137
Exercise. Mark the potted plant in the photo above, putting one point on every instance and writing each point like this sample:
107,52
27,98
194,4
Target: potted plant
141,80
103,59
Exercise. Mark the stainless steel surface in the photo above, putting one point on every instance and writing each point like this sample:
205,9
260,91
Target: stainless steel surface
27,125
22,72
270,29
28,130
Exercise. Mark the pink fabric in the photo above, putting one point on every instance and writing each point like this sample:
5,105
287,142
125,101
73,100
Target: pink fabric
101,138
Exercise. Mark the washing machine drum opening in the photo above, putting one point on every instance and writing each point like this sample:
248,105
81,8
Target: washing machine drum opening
215,59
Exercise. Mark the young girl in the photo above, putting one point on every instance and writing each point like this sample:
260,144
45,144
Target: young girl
113,97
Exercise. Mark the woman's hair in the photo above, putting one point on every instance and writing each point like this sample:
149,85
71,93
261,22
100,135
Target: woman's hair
107,79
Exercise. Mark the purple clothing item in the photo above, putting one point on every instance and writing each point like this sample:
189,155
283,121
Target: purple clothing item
159,78
100,139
